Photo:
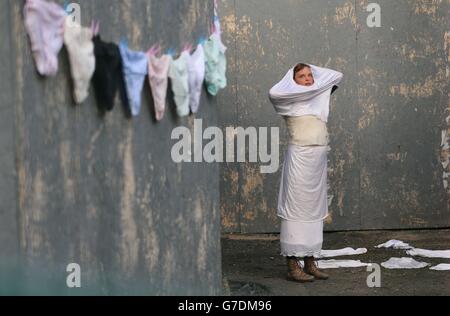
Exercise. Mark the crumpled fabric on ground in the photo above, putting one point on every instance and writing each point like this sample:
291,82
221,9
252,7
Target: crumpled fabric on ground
135,70
158,72
80,48
108,75
395,244
179,76
336,264
44,23
342,252
441,267
196,69
404,263
429,253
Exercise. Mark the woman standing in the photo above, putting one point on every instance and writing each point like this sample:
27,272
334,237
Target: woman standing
302,97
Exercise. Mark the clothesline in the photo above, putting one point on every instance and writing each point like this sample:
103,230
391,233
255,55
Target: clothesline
115,68
170,51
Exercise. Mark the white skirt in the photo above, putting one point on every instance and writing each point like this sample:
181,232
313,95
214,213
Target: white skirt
303,195
303,200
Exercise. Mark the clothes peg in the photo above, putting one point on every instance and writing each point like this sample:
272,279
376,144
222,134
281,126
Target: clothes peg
152,50
95,27
171,52
157,50
202,40
124,42
187,47
65,6
212,29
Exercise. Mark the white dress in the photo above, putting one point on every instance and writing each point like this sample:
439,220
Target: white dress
303,199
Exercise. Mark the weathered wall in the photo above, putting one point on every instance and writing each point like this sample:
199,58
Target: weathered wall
386,120
102,191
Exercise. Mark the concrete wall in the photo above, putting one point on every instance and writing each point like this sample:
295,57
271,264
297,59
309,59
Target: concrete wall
388,127
102,191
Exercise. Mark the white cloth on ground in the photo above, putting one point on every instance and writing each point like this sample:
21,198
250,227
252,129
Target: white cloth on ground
342,252
395,244
429,253
291,99
404,263
336,264
441,267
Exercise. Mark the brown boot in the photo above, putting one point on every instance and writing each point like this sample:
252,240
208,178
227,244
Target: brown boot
295,272
312,269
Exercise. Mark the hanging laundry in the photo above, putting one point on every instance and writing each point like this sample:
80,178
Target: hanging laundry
196,68
342,252
404,263
135,70
429,253
44,23
179,77
78,41
216,62
395,244
158,73
108,75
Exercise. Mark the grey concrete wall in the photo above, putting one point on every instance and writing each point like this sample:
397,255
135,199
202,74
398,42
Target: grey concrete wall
386,120
103,192
8,174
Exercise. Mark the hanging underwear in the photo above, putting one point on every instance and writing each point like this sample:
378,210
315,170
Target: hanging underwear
178,73
44,23
216,64
135,70
108,75
78,41
158,72
196,68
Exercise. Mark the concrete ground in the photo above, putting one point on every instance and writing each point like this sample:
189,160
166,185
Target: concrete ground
252,266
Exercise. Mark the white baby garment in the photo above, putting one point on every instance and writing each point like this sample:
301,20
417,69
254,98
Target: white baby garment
336,264
395,244
179,76
441,267
403,263
158,72
429,253
196,69
80,47
342,252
